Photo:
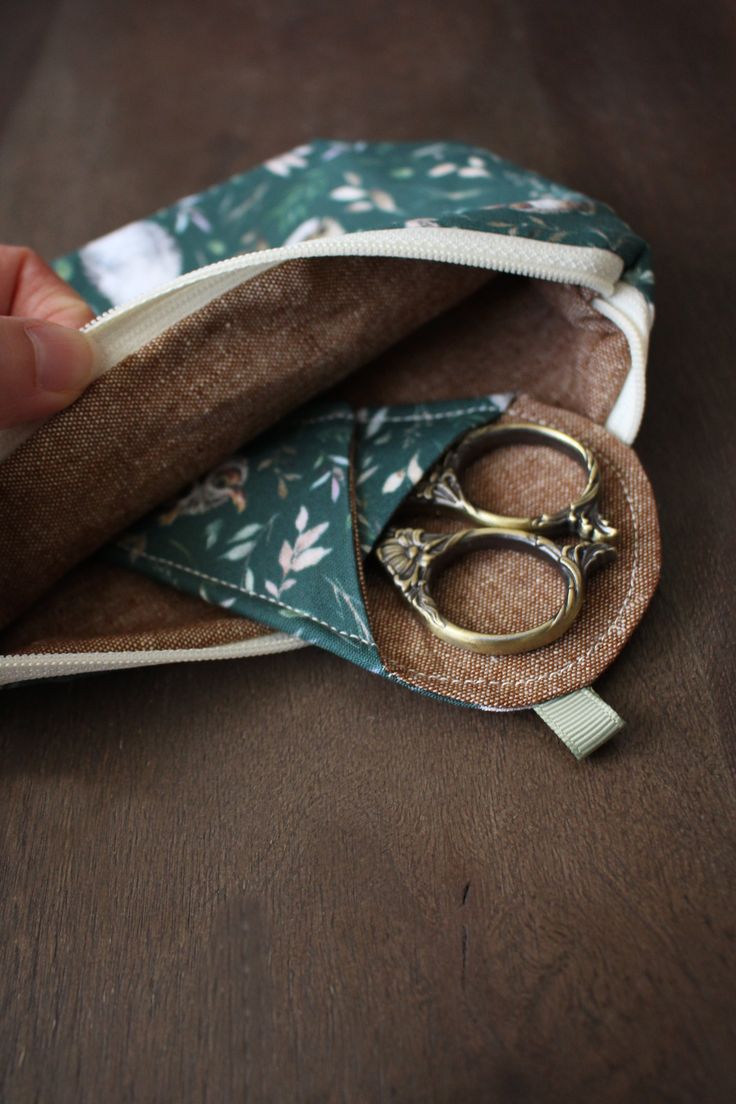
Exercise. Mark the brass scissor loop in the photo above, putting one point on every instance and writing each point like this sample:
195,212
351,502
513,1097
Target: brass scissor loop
413,557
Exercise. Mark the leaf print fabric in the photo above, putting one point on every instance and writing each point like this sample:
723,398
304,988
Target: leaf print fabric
396,445
270,534
327,187
299,555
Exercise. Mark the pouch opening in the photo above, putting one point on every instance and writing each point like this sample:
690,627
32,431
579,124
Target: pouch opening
372,329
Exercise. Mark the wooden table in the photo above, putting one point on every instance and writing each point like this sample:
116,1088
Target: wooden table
284,879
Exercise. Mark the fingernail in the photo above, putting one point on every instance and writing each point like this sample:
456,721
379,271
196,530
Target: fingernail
64,357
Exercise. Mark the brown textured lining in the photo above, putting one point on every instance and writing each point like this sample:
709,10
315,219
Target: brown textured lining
513,334
508,591
189,398
100,607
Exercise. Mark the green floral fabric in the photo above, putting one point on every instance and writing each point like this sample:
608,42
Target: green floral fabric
331,187
269,533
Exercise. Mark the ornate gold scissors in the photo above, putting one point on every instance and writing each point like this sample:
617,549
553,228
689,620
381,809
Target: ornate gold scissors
413,557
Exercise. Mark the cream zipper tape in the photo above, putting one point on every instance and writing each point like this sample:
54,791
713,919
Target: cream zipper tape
123,330
26,668
633,315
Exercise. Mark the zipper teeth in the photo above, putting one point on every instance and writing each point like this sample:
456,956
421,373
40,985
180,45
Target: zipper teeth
515,256
559,276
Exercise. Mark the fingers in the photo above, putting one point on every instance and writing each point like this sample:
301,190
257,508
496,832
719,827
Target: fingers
43,368
29,288
44,361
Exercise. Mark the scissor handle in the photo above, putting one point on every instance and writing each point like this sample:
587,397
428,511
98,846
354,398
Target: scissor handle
441,488
413,558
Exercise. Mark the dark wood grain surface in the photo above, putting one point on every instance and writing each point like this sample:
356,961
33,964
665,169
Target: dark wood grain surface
283,879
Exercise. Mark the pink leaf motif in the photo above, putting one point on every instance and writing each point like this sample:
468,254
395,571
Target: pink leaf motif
238,551
306,540
393,481
382,200
285,557
376,421
301,519
272,588
200,221
443,169
414,471
366,474
287,584
335,489
309,558
347,191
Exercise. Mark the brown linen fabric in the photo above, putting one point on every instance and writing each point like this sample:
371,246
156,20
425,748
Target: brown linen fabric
512,334
517,594
100,607
187,399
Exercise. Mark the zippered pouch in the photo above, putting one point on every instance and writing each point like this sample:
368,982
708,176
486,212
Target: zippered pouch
282,359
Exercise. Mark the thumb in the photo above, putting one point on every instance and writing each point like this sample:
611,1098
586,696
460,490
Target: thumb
43,368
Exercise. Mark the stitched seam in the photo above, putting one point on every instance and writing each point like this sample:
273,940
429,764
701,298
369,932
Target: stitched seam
253,594
361,417
487,408
336,416
339,416
572,662
608,710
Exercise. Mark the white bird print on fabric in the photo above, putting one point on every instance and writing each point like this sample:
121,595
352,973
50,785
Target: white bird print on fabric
131,261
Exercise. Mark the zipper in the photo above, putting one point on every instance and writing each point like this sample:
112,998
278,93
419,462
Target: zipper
628,309
598,269
124,329
27,668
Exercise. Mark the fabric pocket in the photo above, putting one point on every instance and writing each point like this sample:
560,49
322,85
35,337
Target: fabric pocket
277,533
282,533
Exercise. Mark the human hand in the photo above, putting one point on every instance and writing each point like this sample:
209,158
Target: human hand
45,362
